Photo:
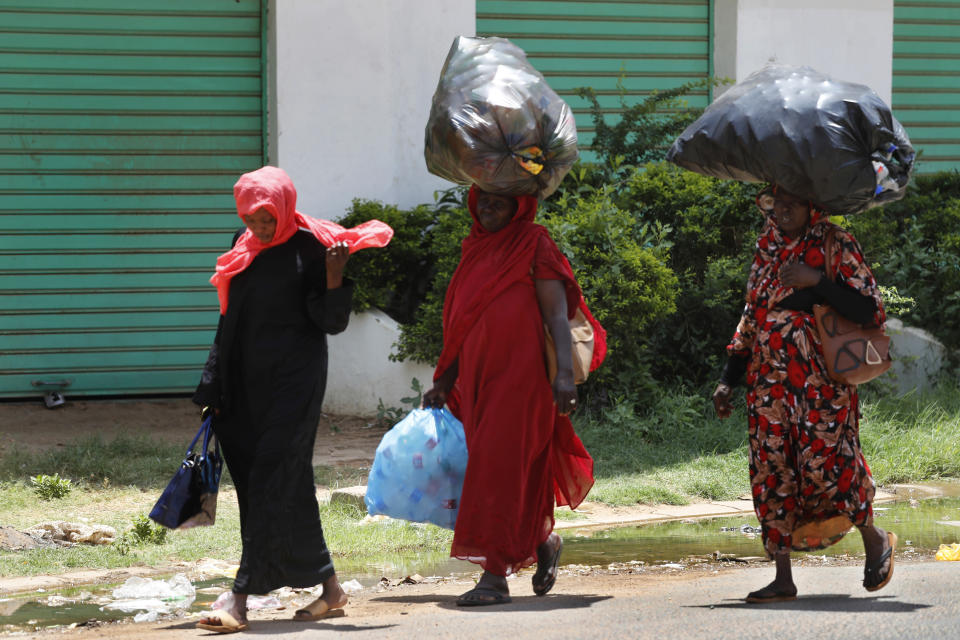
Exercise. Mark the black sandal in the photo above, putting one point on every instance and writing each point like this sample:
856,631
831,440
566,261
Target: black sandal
872,580
767,595
546,575
491,596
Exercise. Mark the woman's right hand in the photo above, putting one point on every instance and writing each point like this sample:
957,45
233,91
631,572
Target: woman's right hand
435,398
721,401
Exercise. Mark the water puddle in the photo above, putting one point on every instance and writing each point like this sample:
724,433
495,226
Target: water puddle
921,523
921,526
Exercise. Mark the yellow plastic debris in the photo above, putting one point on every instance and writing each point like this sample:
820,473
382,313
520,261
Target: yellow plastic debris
948,552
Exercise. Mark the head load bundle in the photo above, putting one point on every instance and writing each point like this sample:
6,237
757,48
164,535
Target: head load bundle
495,122
832,142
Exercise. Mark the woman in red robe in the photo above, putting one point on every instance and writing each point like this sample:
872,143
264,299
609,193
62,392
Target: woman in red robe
512,280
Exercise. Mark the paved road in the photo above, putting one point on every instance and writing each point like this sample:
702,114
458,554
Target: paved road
922,602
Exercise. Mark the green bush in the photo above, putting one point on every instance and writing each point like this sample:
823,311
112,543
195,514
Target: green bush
621,267
51,487
645,130
914,245
713,226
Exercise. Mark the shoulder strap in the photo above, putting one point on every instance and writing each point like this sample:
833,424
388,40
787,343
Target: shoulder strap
829,249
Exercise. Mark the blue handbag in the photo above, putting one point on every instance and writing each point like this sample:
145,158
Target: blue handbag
190,499
418,470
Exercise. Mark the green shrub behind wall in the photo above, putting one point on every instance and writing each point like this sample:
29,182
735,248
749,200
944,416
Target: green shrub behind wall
662,255
914,245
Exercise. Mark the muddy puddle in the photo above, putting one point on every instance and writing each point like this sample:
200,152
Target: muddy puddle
922,526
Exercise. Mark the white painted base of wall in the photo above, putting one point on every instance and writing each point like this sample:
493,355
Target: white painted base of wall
360,372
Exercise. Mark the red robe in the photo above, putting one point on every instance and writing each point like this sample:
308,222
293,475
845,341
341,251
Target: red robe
523,454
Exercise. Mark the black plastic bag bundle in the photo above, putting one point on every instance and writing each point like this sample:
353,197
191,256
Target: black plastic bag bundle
495,122
834,143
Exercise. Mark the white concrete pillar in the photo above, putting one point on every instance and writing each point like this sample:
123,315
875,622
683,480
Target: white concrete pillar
850,40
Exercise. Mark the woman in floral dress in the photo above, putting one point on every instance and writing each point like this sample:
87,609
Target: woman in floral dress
809,479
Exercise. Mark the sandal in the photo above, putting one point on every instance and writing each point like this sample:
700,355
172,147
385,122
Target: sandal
489,596
318,610
546,575
767,595
228,624
871,573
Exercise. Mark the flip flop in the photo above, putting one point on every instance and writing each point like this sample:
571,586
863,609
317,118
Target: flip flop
545,577
228,624
318,610
495,597
755,597
872,572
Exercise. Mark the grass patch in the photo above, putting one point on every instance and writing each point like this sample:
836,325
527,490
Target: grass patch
94,462
913,437
352,544
676,453
680,451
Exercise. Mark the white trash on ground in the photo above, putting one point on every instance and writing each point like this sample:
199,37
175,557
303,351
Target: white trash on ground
152,597
351,586
224,600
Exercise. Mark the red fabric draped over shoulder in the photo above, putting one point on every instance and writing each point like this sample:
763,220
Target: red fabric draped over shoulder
523,454
270,188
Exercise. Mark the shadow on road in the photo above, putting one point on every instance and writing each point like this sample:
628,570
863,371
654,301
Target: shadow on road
522,603
826,602
273,627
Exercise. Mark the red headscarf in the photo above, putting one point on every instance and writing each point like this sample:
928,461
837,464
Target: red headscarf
272,189
478,280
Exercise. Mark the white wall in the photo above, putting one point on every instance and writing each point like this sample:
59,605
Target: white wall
360,374
353,80
849,40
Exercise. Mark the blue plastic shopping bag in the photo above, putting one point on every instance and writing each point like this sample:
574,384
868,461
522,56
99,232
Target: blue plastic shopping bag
417,473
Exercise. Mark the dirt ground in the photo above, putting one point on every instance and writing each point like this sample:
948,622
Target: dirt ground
341,441
426,602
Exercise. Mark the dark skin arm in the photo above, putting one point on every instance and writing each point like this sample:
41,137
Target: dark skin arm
552,298
436,397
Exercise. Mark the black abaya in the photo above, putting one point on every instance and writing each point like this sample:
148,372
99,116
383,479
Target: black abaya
267,372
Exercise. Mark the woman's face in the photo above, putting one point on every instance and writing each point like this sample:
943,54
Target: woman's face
495,211
261,224
791,212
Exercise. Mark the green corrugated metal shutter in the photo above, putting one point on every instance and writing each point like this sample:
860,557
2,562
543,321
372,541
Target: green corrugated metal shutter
926,78
123,125
652,44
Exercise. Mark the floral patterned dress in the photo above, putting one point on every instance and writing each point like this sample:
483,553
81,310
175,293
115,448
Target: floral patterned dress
809,479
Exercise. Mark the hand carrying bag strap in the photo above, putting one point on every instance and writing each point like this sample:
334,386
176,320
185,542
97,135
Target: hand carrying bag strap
829,250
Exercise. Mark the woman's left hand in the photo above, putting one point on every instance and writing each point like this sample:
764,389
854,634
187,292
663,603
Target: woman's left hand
564,392
799,276
337,255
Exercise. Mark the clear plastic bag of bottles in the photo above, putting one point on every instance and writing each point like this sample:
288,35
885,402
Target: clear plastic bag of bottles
418,470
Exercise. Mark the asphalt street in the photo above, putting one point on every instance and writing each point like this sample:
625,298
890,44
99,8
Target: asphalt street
922,602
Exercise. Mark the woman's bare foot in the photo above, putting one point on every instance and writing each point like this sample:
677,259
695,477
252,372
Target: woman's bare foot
491,589
330,603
